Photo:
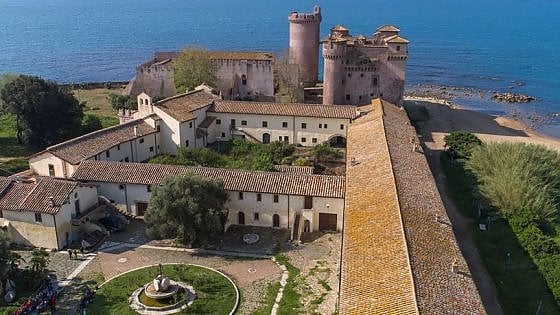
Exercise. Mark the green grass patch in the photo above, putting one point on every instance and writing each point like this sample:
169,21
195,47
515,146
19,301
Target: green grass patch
96,100
13,166
268,301
291,300
520,284
215,294
325,285
108,121
9,146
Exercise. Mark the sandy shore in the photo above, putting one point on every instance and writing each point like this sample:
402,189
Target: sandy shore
445,117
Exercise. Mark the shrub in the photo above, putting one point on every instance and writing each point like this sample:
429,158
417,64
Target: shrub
461,143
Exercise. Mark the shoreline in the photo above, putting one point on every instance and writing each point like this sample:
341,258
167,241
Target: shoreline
446,116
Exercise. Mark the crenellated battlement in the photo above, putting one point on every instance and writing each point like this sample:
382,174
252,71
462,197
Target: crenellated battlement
306,18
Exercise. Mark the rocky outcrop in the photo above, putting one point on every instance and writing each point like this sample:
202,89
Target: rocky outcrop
512,98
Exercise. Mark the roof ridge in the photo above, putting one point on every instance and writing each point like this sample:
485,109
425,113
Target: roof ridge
176,96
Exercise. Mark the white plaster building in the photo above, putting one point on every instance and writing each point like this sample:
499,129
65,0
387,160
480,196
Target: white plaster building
39,212
134,141
269,199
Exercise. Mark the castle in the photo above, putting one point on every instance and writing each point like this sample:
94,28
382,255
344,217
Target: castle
241,75
357,69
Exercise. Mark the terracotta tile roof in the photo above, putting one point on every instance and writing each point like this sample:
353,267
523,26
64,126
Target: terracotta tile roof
294,169
4,183
34,197
88,145
286,109
387,28
234,180
181,106
163,57
432,245
396,39
376,277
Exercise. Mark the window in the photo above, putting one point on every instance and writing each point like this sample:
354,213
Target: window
398,48
285,124
232,122
240,197
141,140
107,153
186,143
244,79
218,121
286,139
314,140
347,97
1,214
121,186
303,139
151,149
223,134
51,170
320,126
148,188
259,197
360,97
265,123
279,138
141,101
126,159
303,126
158,128
275,198
325,126
256,216
341,126
190,124
361,75
118,147
349,75
38,217
374,81
243,123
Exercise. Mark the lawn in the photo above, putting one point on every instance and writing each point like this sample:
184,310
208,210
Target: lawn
215,294
98,105
520,284
291,300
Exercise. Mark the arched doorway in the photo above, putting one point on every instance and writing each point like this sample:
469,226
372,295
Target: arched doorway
275,220
266,138
241,218
337,141
306,226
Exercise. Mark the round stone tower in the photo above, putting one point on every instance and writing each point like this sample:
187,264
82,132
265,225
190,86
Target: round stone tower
334,51
304,44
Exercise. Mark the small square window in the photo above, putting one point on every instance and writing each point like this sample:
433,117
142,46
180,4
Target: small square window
218,121
398,48
303,139
158,128
325,126
285,124
243,123
286,139
314,140
126,159
347,97
240,195
361,75
265,123
141,140
303,126
38,217
279,138
107,153
256,216
259,197
190,124
151,149
186,143
320,126
276,198
341,126
349,75
223,134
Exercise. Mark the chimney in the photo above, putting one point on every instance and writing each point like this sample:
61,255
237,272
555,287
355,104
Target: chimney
51,202
136,131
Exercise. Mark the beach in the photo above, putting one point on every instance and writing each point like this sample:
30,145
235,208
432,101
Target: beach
444,116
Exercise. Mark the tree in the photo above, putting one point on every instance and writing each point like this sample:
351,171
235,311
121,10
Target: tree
91,123
461,143
323,152
119,101
39,261
290,88
193,67
46,113
4,80
189,208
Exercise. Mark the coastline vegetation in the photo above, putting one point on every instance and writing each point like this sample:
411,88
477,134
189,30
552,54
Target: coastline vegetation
512,190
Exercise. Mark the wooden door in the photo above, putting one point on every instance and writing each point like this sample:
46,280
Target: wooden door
141,208
327,221
276,220
241,218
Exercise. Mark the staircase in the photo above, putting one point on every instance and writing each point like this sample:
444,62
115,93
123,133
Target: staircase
296,232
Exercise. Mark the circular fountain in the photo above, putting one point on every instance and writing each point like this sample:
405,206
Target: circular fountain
162,296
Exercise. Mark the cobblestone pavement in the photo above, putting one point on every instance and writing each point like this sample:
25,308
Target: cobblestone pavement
319,264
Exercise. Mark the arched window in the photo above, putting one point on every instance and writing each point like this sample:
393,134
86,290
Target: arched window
266,138
241,218
276,220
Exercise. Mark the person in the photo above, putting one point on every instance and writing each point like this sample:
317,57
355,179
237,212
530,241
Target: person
70,253
76,254
82,251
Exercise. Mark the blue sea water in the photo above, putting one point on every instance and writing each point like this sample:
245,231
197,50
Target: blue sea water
488,45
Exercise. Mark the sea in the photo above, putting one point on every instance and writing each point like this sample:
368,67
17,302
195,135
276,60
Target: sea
478,46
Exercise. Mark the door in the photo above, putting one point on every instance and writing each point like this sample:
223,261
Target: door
266,138
276,220
241,218
141,208
327,221
77,206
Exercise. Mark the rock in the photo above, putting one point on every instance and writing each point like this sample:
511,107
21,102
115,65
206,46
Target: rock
512,98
